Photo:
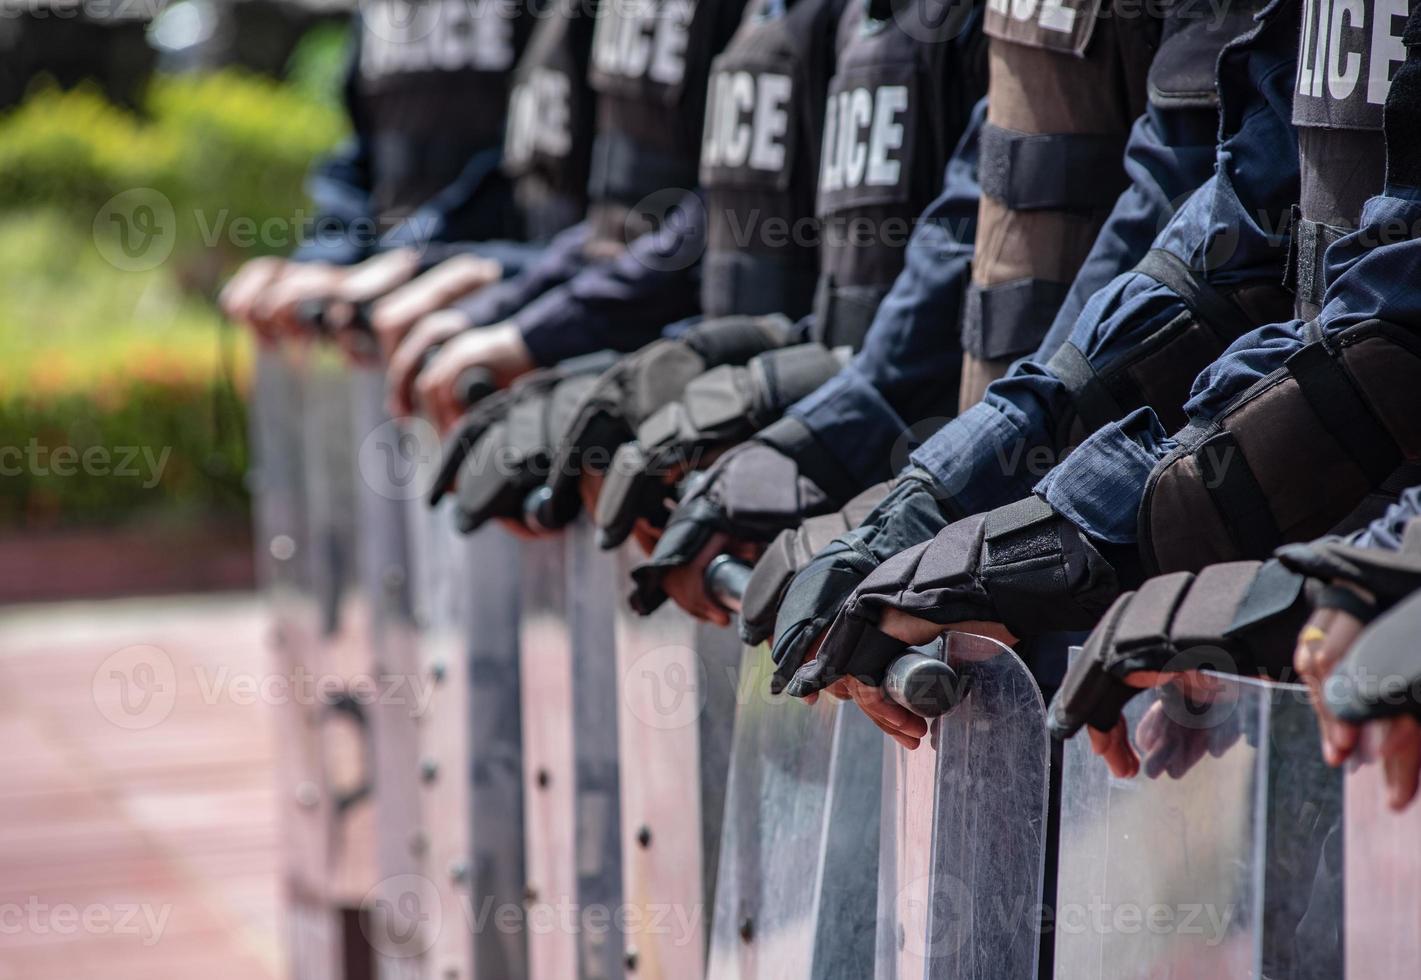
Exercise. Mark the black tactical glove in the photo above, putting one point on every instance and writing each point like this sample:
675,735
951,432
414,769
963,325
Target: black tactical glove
1381,675
639,384
502,446
753,492
800,584
1023,566
721,408
1388,576
1241,618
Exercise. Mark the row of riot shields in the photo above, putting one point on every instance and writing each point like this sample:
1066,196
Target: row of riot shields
509,776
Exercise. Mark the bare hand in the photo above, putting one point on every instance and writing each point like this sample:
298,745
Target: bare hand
1322,644
275,309
398,313
405,363
499,350
686,584
243,290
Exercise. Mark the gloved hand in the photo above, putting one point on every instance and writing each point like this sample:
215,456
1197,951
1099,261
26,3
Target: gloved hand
804,578
1235,618
1379,578
502,445
635,387
753,493
1380,677
719,409
1022,568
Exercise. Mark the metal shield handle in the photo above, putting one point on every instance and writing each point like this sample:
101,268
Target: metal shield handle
919,680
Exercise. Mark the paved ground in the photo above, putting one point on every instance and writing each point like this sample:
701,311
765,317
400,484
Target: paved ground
137,824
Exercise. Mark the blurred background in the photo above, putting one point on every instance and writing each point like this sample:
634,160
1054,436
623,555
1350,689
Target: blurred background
130,848
213,110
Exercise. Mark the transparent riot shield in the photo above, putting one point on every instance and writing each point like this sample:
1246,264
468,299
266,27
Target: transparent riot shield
284,564
964,829
1219,859
570,759
390,461
795,893
1383,875
676,705
493,727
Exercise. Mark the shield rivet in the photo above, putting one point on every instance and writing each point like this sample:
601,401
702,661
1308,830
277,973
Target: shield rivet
429,770
630,960
747,930
545,779
643,836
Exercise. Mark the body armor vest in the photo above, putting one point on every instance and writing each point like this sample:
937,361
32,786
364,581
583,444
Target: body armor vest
431,89
650,62
548,145
1347,54
1068,80
760,159
906,79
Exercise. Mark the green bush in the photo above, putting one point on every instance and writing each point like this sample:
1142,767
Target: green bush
112,360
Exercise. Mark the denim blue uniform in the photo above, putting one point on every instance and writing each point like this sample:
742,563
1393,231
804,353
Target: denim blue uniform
1230,232
1100,487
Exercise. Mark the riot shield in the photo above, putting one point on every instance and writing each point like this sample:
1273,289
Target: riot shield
1219,859
390,460
794,892
676,704
284,566
570,760
964,828
1383,875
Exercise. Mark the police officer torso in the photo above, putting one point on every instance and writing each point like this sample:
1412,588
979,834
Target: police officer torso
1347,54
547,148
650,60
760,158
431,88
906,78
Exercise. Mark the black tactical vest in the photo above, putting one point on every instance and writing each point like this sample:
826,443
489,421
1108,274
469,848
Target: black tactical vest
650,60
760,159
548,146
905,83
431,90
1347,54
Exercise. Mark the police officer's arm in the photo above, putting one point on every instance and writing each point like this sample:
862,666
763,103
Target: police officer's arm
340,185
623,304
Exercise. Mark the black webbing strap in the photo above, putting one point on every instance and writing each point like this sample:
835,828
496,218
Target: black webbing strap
1328,387
1011,318
1238,496
1050,171
1208,304
1307,248
1095,404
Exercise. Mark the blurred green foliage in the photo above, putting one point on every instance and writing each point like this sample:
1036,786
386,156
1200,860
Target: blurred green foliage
92,355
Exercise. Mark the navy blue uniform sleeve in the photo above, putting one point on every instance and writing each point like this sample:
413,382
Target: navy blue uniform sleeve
623,304
1170,153
911,361
555,263
343,231
1101,486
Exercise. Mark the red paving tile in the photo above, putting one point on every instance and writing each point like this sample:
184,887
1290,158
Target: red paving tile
149,810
